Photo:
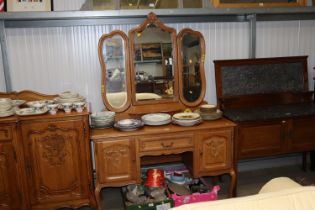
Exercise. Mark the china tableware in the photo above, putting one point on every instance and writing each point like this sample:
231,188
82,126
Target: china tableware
68,94
186,116
79,106
38,105
31,111
5,104
67,107
7,113
156,119
18,102
128,124
208,108
53,108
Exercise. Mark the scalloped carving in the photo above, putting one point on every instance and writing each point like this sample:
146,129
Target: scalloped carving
54,149
116,154
215,146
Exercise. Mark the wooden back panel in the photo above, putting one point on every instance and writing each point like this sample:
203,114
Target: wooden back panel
261,82
27,95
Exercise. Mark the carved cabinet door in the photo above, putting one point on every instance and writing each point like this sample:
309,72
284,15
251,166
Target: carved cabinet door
9,192
215,150
115,161
55,161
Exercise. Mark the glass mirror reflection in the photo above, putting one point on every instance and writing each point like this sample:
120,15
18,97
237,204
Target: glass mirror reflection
114,59
153,63
191,58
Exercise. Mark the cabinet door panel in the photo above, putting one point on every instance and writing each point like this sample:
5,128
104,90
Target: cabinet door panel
9,194
215,150
302,134
257,140
54,160
115,161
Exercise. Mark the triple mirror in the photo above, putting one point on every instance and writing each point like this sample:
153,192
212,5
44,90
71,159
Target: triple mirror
152,67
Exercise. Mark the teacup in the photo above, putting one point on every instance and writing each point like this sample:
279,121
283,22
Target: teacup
67,107
53,108
38,105
79,106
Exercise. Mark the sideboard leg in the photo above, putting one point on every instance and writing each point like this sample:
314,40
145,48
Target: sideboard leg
312,154
98,197
232,187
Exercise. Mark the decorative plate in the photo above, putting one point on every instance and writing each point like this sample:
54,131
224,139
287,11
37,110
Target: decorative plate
156,119
186,116
7,113
31,111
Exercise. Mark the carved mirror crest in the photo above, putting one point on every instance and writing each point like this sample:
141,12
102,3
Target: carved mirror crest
153,62
114,61
191,55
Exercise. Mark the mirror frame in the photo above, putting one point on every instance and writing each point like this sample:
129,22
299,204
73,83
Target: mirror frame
201,68
152,19
103,68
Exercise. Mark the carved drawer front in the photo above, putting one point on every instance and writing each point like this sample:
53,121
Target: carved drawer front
5,133
167,142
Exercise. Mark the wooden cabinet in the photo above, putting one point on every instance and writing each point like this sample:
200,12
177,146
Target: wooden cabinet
10,192
207,149
56,163
273,137
258,139
115,161
215,151
301,134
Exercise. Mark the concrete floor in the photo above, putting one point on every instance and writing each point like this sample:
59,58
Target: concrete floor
249,183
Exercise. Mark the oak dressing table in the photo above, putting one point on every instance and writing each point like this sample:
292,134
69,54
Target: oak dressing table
153,52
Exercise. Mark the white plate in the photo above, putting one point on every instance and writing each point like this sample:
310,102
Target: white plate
70,100
186,116
7,113
31,111
156,119
17,102
187,123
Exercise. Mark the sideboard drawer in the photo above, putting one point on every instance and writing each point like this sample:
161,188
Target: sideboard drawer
5,133
165,142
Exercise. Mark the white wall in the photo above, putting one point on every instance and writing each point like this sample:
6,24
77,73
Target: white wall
288,38
2,79
52,60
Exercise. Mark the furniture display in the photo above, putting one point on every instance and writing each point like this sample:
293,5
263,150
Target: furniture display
206,149
45,159
278,193
269,100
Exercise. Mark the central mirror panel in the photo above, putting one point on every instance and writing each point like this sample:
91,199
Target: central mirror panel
153,53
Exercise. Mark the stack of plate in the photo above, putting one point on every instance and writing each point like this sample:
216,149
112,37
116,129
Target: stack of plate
156,119
186,119
104,119
128,124
6,107
69,97
209,112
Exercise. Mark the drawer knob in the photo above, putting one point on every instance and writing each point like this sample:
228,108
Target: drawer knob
167,145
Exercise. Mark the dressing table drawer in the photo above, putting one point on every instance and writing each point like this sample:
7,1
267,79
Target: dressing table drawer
5,133
165,142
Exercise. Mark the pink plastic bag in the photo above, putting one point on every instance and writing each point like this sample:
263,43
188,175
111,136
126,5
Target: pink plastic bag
196,197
